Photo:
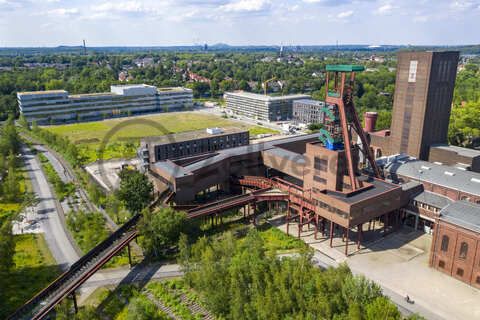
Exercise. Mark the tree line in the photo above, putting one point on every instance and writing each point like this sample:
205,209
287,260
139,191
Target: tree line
239,279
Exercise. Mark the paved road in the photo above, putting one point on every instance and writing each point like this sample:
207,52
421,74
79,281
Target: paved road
324,261
47,213
67,175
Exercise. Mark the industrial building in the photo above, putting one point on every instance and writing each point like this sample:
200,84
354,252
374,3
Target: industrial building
456,242
262,107
322,178
58,106
308,111
191,143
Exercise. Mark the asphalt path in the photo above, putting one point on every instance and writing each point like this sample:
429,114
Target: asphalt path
47,214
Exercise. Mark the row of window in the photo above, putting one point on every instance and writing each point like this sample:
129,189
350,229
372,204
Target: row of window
460,272
425,206
463,247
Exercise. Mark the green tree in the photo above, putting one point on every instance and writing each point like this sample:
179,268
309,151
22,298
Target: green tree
7,246
11,187
141,308
360,290
382,308
160,230
135,190
22,121
113,206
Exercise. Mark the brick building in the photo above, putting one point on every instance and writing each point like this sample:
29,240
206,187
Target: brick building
456,243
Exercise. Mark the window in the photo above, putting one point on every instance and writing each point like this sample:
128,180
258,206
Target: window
444,246
321,164
320,179
463,250
460,272
478,280
441,264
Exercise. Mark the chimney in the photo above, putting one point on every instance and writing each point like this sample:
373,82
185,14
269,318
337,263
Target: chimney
370,121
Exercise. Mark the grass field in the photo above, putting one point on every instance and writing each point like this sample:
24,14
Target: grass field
123,135
35,267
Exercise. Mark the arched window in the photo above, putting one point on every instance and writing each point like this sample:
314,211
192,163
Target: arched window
444,246
463,250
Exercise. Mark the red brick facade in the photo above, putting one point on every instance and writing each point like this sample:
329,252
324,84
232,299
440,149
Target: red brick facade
456,252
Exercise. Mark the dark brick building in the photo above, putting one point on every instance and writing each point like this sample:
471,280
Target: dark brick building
187,144
424,86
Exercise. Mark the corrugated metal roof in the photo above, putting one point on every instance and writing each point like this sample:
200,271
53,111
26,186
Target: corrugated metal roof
447,176
462,213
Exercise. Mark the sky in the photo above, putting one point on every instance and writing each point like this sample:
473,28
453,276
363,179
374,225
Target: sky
238,22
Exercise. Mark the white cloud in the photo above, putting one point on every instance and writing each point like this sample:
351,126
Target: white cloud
385,9
345,14
465,5
62,12
245,5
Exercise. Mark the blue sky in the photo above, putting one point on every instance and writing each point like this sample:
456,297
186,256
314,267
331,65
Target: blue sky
238,22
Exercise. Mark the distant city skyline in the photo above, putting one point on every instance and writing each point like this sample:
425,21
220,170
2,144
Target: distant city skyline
238,22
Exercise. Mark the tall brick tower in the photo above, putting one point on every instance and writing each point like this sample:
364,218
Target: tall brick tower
423,98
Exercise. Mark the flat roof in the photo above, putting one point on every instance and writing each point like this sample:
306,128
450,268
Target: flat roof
462,213
266,98
42,92
188,135
378,187
446,176
433,199
311,101
138,85
466,152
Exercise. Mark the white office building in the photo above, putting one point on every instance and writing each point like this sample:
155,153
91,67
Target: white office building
57,106
262,107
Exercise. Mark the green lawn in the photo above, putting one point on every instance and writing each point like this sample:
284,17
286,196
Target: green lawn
126,132
35,268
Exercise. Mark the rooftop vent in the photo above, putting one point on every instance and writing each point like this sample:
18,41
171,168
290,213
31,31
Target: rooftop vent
448,173
476,180
439,163
214,130
426,168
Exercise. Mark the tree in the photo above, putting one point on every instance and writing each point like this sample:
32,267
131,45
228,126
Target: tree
22,121
135,190
382,308
160,230
11,187
360,290
7,246
113,206
140,308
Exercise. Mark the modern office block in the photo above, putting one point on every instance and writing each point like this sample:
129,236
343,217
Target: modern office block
308,111
262,107
57,106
